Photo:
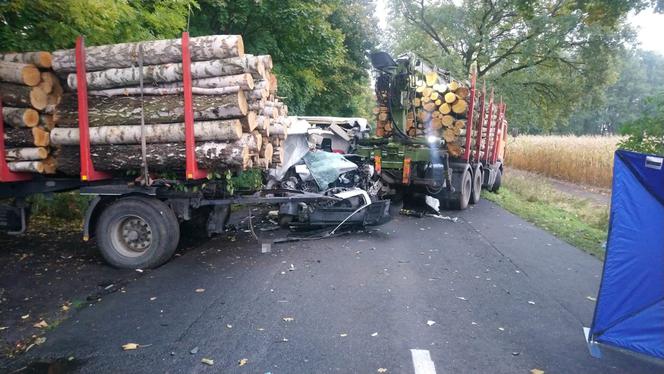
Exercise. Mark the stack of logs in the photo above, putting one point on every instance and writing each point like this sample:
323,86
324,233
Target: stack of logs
439,108
235,108
30,92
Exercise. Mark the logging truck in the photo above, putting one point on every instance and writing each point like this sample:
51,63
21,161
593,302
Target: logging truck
151,163
434,134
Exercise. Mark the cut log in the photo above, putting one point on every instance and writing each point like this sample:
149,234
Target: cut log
450,97
160,91
126,110
47,121
460,106
267,61
249,123
17,95
26,137
212,156
99,80
244,81
263,125
156,52
20,117
26,154
266,151
251,141
19,73
39,59
26,166
47,82
50,165
157,133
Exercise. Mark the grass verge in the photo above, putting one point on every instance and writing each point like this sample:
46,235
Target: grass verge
578,221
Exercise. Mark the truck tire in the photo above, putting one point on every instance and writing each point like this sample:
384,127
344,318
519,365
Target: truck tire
137,232
477,186
496,183
463,186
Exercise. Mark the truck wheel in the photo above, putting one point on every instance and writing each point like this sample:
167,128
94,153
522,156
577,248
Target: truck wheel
496,183
477,186
137,232
463,189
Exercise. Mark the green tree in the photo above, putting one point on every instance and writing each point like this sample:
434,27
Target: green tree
646,134
318,47
48,25
639,75
543,57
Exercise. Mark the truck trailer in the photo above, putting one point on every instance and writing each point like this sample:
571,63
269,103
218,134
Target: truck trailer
411,156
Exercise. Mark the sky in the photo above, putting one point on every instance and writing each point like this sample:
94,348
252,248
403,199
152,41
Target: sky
649,26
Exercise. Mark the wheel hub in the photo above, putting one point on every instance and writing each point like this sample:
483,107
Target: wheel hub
135,234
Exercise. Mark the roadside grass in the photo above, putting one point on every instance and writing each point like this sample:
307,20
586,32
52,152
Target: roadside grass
580,222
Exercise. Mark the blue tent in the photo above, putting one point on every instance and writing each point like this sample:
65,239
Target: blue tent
630,306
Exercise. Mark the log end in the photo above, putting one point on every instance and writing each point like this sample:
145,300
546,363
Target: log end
30,117
38,98
30,75
41,137
44,60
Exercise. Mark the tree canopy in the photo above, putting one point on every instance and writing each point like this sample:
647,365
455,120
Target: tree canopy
545,58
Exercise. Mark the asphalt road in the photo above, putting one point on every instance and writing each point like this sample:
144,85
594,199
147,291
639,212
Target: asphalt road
489,293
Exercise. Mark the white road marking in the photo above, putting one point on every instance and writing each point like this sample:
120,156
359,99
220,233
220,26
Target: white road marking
422,361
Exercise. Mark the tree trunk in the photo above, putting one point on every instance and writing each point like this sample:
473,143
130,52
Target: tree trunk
26,137
126,110
160,91
156,52
160,157
17,95
19,73
156,133
26,154
26,167
40,59
110,78
20,117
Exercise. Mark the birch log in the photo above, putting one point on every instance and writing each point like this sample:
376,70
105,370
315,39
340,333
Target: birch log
39,59
26,166
119,77
160,157
26,137
126,110
252,141
47,121
212,47
157,133
20,117
26,154
160,91
14,72
17,95
244,81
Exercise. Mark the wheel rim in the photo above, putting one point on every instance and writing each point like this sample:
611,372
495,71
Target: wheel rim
467,187
131,235
477,185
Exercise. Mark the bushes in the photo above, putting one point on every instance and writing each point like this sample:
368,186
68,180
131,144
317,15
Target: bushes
62,206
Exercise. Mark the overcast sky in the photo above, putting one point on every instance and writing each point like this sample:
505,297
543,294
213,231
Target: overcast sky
649,25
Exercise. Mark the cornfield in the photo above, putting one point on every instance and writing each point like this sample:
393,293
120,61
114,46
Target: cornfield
579,159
